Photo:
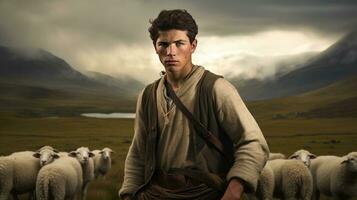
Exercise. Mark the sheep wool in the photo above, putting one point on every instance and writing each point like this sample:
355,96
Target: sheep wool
335,176
18,173
273,156
61,179
292,179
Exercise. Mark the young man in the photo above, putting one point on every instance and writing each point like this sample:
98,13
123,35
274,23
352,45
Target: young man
169,158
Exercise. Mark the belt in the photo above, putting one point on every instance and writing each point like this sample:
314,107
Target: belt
183,177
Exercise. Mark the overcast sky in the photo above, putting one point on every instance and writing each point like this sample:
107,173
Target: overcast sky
110,36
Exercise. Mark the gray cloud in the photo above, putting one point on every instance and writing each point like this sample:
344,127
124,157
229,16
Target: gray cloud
71,29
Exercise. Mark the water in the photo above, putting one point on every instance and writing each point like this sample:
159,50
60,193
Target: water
110,115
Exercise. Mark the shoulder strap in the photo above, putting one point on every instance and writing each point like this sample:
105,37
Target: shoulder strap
202,131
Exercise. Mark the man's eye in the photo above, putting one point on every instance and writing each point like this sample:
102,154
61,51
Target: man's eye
178,44
164,45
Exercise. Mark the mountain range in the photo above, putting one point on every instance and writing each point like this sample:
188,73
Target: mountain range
335,63
36,81
38,77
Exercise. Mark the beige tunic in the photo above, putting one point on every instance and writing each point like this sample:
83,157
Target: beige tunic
251,149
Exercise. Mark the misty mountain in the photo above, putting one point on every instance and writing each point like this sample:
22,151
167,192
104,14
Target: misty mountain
35,76
335,63
38,67
41,68
124,83
258,67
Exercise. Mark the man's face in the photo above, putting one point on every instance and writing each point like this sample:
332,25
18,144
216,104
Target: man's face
175,50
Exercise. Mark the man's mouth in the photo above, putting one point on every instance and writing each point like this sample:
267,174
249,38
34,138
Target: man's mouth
171,62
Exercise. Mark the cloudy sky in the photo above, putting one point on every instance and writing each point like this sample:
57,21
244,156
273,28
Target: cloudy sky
110,36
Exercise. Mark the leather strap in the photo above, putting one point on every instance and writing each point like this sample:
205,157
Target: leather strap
201,130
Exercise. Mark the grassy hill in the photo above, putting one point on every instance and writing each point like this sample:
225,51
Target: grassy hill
36,101
339,96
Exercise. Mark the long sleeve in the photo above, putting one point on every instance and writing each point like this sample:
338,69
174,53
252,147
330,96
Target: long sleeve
250,148
134,163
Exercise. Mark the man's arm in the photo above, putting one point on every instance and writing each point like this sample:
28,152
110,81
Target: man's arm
250,148
134,163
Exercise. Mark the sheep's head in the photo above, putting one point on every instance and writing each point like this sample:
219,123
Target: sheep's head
303,155
351,161
82,154
46,154
106,153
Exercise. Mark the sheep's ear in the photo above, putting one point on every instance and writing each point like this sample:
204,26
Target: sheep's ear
91,154
56,156
72,154
294,156
111,151
345,160
36,155
312,156
100,152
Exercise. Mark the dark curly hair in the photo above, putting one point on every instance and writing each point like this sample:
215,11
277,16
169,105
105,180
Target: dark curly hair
173,19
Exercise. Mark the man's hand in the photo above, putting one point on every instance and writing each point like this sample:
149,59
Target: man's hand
234,190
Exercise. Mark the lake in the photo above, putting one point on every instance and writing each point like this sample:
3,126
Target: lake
110,115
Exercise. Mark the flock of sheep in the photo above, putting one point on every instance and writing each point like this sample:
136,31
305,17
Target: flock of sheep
50,174
305,176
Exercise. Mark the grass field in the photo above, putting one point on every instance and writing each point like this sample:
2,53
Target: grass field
321,136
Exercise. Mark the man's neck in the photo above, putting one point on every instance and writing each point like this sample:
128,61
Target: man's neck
177,79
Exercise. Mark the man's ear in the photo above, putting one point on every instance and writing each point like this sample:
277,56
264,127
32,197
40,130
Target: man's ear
193,46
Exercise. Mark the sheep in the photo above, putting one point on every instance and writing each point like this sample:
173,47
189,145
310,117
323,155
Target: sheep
85,157
265,186
292,179
60,180
67,177
102,161
335,176
303,155
273,156
18,171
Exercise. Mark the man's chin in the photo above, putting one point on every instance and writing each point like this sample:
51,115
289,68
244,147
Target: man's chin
172,68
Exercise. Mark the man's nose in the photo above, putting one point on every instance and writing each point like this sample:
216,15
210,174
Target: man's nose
171,49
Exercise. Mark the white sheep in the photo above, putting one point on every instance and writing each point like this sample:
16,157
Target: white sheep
273,156
292,179
303,155
18,171
85,157
265,187
102,161
60,180
335,176
67,177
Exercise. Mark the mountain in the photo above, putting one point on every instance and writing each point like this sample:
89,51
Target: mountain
38,67
38,80
124,83
265,67
335,63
